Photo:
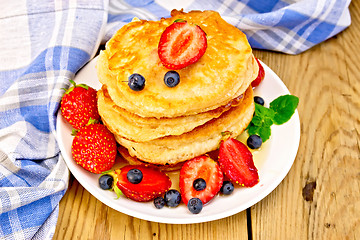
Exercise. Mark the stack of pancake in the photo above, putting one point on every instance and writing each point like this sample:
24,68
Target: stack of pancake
163,125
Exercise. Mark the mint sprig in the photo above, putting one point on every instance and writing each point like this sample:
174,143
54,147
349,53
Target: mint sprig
284,107
279,112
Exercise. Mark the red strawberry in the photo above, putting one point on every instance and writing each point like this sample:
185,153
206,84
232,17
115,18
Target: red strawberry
260,76
79,104
200,167
181,44
94,148
237,163
154,183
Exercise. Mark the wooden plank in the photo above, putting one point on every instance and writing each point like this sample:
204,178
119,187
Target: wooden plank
326,78
327,81
82,216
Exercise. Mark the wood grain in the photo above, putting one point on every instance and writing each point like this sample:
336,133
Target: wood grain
327,81
82,216
326,78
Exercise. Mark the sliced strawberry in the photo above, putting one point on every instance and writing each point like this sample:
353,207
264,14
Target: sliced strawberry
260,76
94,148
237,163
200,167
79,104
214,154
153,184
181,44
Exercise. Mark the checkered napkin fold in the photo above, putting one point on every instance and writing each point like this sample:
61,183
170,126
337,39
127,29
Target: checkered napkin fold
44,43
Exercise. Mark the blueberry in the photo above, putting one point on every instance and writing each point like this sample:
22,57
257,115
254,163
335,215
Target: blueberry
136,82
254,141
159,202
227,188
199,184
195,205
259,100
134,176
172,198
106,182
171,78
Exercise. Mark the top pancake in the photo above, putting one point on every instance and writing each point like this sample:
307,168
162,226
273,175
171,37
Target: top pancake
222,73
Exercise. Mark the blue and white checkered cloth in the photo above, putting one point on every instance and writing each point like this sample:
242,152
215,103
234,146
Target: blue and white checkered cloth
44,43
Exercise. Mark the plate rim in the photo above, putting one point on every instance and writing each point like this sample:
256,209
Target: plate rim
193,218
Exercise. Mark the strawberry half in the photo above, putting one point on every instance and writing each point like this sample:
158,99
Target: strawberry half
237,163
200,167
94,148
79,104
153,184
181,44
260,77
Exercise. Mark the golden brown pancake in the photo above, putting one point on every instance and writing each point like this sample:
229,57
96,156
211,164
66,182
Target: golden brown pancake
166,126
139,129
222,73
135,161
203,139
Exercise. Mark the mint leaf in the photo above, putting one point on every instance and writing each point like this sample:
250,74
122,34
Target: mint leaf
263,131
283,108
261,122
279,112
263,116
256,120
263,112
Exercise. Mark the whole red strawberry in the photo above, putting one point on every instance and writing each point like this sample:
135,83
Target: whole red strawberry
236,161
181,44
79,104
94,148
154,183
260,76
202,167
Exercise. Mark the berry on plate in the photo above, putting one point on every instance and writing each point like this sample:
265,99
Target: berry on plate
79,104
259,100
154,183
254,141
134,176
199,184
200,167
106,182
181,44
159,202
236,161
172,198
260,76
195,205
227,188
94,148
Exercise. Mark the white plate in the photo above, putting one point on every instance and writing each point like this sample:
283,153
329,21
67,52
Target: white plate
273,162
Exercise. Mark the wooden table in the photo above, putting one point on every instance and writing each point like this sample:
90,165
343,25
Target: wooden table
326,78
